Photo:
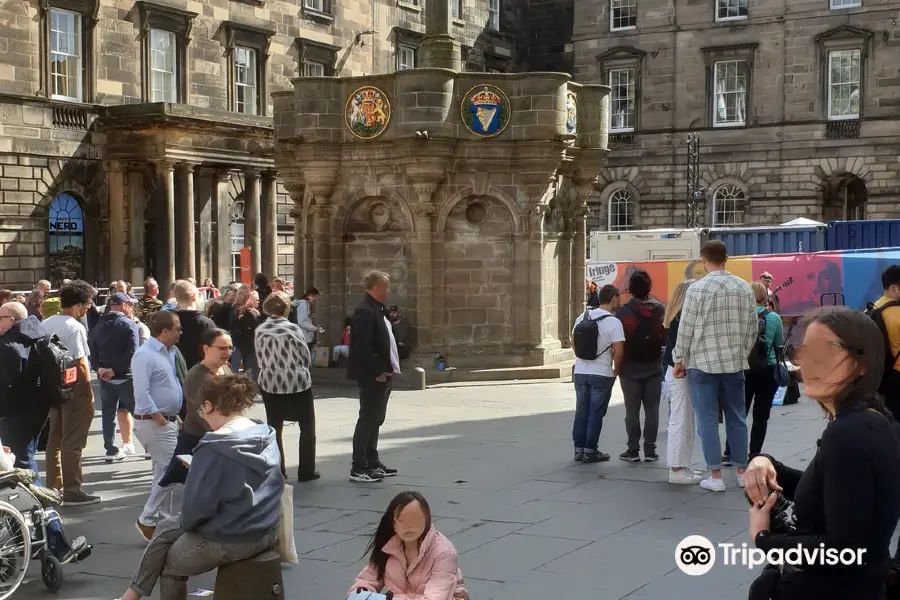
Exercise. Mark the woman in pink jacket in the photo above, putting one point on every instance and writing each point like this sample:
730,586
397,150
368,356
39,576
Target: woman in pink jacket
410,559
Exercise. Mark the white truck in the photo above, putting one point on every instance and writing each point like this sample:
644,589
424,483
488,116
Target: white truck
649,244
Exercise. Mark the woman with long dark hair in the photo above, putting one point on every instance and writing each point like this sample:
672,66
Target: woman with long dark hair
406,538
847,502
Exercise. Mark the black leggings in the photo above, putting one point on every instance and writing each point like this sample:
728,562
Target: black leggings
297,407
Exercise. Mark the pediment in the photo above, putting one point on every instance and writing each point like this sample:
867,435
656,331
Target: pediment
622,52
845,32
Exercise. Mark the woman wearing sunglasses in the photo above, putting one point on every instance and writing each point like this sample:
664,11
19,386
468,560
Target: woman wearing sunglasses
848,499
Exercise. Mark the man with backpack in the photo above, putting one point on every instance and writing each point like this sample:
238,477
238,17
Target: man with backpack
645,339
886,315
598,342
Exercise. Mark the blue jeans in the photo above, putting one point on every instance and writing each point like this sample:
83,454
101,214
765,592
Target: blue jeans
706,391
114,398
592,394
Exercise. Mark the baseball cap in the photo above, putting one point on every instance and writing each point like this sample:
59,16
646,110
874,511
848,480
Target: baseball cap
122,298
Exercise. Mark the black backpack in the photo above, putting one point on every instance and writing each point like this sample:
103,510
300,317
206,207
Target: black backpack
643,344
890,358
759,355
57,375
585,337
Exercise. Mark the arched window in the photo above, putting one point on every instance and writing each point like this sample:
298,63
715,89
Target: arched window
237,238
66,238
727,203
621,210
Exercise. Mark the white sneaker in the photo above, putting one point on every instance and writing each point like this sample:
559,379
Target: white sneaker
119,456
128,449
713,485
684,477
740,480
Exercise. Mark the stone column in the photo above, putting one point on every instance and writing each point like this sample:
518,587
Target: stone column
165,171
579,262
439,49
219,186
251,220
184,191
321,213
116,195
422,259
269,225
137,202
204,200
299,248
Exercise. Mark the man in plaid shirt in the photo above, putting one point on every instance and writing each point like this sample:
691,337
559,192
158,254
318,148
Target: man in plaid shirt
717,332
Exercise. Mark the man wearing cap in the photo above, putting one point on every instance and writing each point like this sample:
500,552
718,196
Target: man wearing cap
112,344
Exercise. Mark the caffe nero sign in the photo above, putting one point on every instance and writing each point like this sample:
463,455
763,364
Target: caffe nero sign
66,225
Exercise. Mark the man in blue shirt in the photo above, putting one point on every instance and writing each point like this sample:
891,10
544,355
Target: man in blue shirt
157,401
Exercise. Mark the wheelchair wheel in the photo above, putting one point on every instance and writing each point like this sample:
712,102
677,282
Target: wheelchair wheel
15,549
51,572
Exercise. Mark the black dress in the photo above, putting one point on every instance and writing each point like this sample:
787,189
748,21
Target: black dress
848,497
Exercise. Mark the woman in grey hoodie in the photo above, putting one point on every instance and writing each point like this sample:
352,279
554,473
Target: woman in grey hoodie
232,497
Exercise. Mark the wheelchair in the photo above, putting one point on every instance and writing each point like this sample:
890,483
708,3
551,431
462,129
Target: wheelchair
24,525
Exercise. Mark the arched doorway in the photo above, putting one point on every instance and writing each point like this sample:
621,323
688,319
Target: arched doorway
844,198
65,238
236,229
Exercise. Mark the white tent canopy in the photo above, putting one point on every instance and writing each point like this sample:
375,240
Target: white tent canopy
801,222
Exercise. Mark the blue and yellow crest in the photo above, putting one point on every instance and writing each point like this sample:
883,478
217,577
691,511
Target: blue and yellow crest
485,110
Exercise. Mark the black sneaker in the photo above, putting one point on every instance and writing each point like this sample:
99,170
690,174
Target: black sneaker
631,456
651,456
595,457
385,471
369,476
579,455
79,498
726,461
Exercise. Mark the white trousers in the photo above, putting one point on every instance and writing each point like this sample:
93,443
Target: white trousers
340,351
159,441
680,437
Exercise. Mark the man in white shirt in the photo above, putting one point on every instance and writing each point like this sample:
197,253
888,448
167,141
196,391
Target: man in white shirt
71,422
595,372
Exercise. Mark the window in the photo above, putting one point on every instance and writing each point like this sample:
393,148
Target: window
66,70
236,230
163,67
245,80
730,10
622,14
406,58
313,69
318,5
621,112
493,21
727,205
621,211
843,84
316,59
456,9
730,93
839,4
66,238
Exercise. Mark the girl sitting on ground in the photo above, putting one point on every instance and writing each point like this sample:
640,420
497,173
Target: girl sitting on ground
405,537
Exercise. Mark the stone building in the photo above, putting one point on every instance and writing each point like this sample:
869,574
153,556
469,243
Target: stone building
797,106
468,188
136,136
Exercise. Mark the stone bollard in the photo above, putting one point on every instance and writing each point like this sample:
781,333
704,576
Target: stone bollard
256,578
419,379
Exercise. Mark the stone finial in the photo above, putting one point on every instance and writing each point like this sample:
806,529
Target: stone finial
440,49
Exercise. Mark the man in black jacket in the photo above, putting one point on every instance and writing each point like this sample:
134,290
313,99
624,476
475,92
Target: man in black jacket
193,323
374,360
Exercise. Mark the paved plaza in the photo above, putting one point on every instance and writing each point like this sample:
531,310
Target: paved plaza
495,462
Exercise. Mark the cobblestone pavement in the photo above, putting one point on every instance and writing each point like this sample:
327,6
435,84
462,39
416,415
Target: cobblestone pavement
495,462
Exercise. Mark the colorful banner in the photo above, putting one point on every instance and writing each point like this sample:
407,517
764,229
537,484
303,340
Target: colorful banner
849,277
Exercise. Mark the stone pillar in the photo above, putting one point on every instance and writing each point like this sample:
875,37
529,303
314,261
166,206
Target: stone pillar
422,259
116,195
269,224
219,186
137,202
321,213
299,248
165,171
579,262
251,220
439,49
204,201
184,191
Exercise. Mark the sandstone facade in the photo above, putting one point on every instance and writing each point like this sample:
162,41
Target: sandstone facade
784,154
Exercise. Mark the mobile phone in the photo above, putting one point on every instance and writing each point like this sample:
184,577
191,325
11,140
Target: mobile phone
185,459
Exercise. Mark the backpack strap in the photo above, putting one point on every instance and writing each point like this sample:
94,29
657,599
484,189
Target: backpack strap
597,320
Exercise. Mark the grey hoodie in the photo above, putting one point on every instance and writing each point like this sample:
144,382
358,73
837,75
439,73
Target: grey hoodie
234,485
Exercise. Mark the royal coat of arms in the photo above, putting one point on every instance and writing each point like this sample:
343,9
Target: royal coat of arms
571,113
485,110
368,112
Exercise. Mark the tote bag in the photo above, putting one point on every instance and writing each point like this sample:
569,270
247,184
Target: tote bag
285,547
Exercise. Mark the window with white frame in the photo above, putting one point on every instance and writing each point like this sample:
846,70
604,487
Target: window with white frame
456,8
727,203
318,5
621,210
163,66
838,4
246,76
493,21
730,77
406,58
312,68
65,55
844,84
621,113
729,10
622,14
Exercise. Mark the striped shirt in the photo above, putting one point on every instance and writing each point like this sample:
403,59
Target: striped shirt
283,357
718,325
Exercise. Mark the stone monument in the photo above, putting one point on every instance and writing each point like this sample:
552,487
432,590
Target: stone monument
469,189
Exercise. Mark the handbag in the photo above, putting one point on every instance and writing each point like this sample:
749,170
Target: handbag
285,545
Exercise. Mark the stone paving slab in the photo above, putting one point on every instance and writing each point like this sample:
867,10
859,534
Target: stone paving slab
495,463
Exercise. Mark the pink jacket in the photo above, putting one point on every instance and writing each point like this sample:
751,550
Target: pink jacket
434,575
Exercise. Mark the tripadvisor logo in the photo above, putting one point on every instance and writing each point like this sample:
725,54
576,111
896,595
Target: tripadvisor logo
695,555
